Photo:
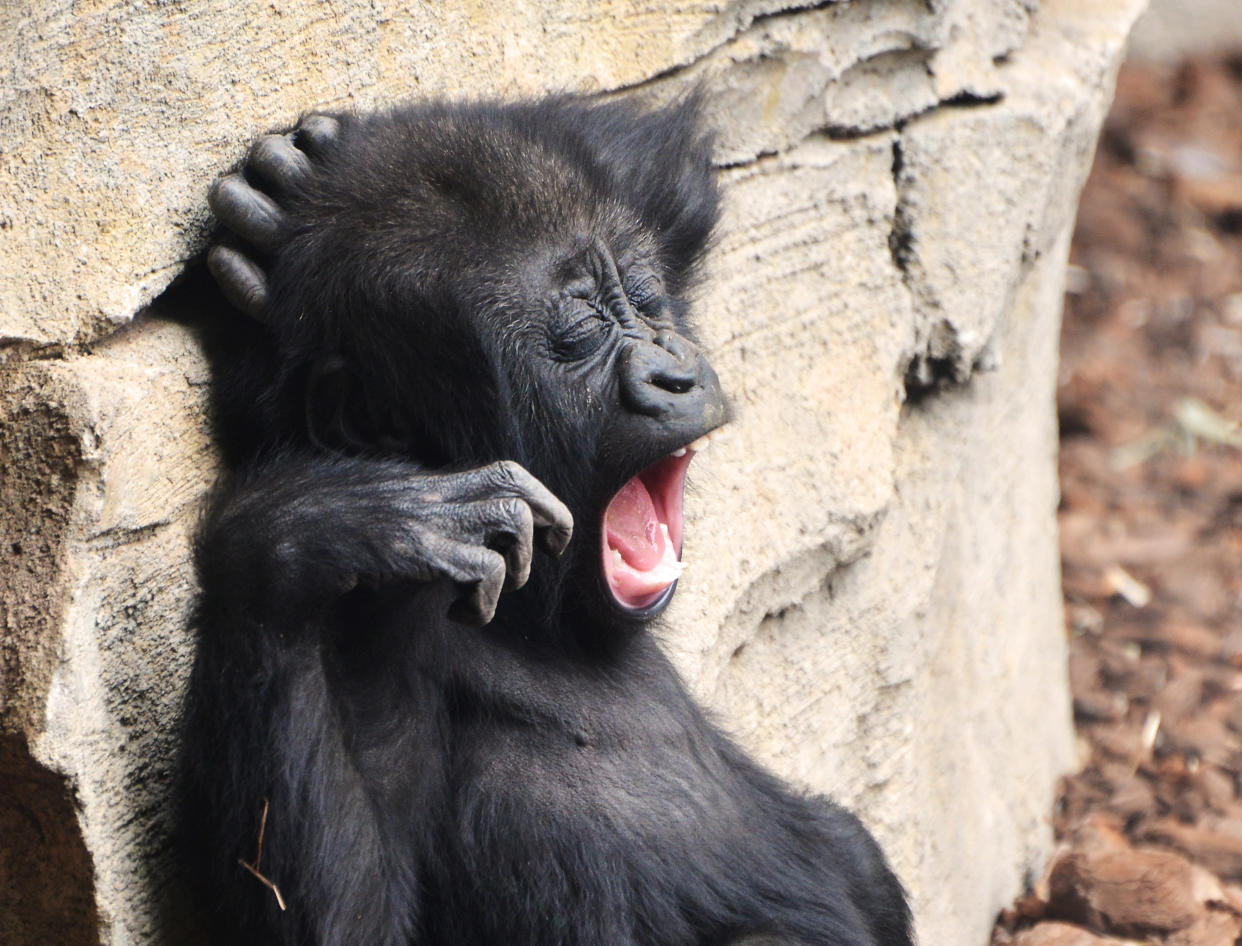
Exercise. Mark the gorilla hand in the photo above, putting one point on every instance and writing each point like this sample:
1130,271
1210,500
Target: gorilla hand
324,526
277,163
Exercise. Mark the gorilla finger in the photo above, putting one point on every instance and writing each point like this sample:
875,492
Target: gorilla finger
482,578
275,159
316,134
555,537
507,526
248,212
552,517
243,283
503,525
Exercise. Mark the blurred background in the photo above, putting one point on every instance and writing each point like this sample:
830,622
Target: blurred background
1150,400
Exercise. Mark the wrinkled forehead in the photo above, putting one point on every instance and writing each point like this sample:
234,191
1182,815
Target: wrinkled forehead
549,254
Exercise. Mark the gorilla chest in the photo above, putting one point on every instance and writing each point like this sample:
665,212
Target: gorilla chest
597,782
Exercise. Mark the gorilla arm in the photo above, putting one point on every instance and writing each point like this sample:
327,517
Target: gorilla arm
298,531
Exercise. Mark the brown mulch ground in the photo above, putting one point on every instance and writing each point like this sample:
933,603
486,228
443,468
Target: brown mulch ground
1150,398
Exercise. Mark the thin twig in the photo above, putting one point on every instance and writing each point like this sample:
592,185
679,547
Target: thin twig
280,901
258,859
258,854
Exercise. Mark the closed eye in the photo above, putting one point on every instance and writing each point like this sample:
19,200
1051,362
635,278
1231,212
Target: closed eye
643,292
582,337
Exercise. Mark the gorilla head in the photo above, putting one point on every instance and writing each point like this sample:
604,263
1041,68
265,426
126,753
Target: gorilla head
459,285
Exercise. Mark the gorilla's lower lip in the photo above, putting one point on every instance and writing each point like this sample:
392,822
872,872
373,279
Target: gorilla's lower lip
642,533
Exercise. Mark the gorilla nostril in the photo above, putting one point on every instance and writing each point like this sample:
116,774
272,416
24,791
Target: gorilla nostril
675,369
662,376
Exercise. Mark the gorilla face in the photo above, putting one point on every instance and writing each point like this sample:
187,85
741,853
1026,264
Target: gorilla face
624,399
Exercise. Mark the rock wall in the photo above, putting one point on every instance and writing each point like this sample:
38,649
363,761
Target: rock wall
872,605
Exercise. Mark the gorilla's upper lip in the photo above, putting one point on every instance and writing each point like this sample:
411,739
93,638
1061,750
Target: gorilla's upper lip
642,532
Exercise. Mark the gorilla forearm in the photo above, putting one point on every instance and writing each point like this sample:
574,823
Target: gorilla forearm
302,529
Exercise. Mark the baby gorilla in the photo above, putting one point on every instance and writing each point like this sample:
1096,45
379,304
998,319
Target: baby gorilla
420,713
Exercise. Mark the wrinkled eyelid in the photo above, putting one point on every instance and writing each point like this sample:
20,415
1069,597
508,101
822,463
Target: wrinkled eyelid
581,339
644,290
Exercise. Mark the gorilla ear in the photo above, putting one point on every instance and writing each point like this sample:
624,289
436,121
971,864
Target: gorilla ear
338,418
328,396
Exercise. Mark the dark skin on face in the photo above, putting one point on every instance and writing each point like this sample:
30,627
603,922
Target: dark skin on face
460,424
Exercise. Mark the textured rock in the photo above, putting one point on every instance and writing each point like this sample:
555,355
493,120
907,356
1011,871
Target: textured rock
880,617
95,607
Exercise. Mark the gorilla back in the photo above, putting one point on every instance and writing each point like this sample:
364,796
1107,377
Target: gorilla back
420,712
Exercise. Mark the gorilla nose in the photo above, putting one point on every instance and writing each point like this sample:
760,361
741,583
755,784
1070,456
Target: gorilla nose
668,378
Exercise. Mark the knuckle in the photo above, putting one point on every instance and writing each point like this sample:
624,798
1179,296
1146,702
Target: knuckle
265,148
318,130
218,259
255,297
493,568
219,194
518,513
506,472
317,122
233,187
281,159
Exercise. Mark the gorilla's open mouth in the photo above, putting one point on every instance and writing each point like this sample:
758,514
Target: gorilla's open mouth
643,530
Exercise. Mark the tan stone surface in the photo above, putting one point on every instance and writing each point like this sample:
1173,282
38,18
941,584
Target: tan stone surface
872,603
98,612
114,115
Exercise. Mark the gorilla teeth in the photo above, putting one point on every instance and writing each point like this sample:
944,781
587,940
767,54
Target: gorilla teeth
699,445
679,452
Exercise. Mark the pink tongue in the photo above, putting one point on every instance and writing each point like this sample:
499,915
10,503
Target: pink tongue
633,527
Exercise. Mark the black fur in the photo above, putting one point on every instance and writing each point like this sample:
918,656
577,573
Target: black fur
442,287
